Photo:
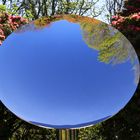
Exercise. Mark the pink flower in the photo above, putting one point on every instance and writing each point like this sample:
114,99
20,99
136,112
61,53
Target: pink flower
15,18
1,32
131,27
137,28
115,17
135,16
1,25
15,23
114,22
121,19
2,37
23,20
13,27
9,19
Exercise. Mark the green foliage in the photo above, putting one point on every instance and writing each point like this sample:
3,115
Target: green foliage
28,14
111,45
112,50
91,133
123,126
2,8
12,128
14,10
34,9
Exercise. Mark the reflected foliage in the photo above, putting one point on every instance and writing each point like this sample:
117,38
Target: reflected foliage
112,46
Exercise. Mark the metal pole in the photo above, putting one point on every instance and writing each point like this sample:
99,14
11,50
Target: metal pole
67,134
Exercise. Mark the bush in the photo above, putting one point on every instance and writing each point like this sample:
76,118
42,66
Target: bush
128,22
9,23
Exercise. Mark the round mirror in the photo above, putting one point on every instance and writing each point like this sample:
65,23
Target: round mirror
67,71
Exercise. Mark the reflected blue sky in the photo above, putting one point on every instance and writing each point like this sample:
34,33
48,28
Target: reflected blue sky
71,126
51,76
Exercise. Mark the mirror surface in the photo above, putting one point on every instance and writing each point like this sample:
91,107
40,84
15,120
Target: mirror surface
67,71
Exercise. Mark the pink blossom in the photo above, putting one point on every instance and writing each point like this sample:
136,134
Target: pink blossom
115,17
9,22
23,20
13,27
1,25
137,28
135,16
2,37
15,23
131,27
121,20
114,22
9,19
1,32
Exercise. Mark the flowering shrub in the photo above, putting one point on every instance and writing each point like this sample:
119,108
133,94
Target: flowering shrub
128,22
8,24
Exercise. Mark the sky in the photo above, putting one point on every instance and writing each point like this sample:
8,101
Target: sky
51,76
102,4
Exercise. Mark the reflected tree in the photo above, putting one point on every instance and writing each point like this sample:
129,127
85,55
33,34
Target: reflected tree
112,46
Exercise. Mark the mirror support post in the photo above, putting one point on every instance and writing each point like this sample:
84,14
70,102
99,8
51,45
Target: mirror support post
67,134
